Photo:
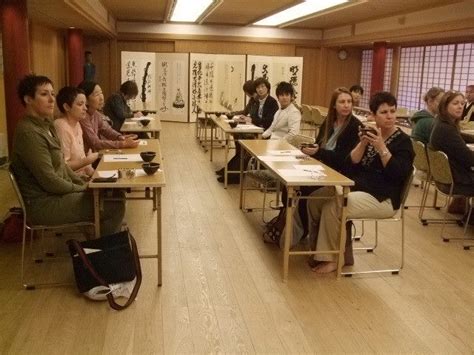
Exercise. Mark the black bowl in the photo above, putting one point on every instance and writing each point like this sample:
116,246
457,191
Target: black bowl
147,156
229,115
233,124
145,112
150,168
144,122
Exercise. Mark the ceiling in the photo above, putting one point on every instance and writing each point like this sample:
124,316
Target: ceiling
244,12
61,14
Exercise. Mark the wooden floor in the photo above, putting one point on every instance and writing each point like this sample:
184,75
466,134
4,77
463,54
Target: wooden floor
222,289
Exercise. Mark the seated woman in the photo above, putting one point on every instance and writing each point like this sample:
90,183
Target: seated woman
53,193
249,113
71,102
447,138
96,132
379,165
338,135
424,119
287,119
116,107
261,110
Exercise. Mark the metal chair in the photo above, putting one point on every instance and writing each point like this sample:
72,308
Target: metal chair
399,216
444,183
37,227
422,165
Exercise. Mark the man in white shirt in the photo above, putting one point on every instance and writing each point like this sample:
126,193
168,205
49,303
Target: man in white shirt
287,119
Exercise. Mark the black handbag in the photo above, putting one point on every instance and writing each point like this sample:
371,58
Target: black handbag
104,261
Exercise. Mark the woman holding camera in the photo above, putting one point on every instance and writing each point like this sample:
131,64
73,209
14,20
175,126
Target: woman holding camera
379,165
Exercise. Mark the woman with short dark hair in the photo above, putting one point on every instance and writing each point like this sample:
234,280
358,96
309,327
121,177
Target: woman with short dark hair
52,192
71,102
379,165
116,107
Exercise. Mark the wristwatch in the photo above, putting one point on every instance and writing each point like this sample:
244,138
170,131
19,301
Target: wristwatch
384,153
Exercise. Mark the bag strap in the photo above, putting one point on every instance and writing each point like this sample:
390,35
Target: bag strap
110,297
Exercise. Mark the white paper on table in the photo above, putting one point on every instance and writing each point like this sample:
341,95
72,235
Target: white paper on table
310,167
107,173
228,121
247,126
143,142
141,172
142,118
117,158
291,152
270,158
128,123
300,173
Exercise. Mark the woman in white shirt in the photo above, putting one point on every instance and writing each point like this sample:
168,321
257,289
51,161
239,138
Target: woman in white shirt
287,119
72,104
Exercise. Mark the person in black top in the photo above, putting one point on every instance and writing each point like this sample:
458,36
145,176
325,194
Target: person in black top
259,111
379,165
338,135
447,138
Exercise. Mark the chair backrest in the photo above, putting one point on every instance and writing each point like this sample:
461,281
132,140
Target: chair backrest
406,188
439,167
421,158
317,117
11,174
306,115
298,139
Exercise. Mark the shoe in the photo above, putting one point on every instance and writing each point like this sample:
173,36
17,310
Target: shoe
220,171
231,180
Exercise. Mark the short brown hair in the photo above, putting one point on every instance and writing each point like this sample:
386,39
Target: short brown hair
129,88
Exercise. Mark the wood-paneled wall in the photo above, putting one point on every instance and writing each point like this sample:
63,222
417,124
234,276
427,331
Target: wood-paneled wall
322,70
48,54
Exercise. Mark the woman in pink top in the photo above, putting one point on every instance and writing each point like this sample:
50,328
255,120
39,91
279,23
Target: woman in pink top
96,132
71,102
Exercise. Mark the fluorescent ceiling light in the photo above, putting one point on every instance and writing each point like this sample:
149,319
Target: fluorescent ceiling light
301,10
189,10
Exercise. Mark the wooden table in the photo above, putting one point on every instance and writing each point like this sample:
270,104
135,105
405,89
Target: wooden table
220,122
258,148
208,111
133,125
156,182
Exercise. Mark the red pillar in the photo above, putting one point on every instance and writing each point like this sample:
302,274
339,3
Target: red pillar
378,66
16,61
75,54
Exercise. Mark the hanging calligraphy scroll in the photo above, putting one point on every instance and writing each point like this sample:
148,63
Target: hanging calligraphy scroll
140,67
162,80
216,81
276,69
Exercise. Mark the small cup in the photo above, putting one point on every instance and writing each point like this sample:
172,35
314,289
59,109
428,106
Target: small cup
145,112
129,173
144,122
150,168
147,156
233,124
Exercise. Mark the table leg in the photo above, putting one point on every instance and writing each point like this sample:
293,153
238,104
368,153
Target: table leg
242,182
226,154
95,193
342,236
212,141
157,193
288,230
206,117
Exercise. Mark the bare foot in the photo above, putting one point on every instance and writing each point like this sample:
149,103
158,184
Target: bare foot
325,267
